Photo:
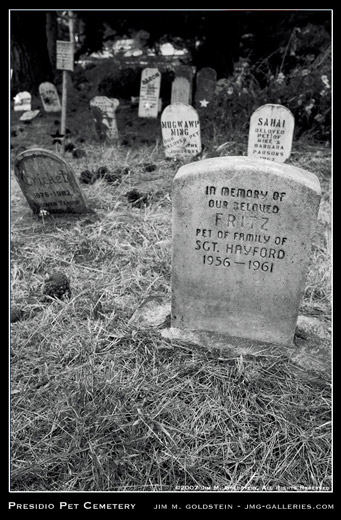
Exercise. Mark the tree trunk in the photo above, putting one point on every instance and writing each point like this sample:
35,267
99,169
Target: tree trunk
51,36
29,56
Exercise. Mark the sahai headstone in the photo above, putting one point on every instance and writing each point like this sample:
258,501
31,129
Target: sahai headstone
271,133
182,85
22,101
205,87
48,182
49,97
180,128
103,111
149,92
241,245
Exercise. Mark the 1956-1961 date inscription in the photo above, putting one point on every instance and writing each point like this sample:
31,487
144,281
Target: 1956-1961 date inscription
238,239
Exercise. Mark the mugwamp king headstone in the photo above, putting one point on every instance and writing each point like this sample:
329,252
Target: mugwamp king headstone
271,133
241,245
180,128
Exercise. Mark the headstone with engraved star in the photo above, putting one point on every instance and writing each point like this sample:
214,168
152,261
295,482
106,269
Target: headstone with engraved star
22,102
49,97
149,93
206,82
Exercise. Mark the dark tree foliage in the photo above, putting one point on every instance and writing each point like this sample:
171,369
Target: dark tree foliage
29,50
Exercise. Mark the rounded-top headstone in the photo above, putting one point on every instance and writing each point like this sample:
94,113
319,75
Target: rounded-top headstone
103,110
48,182
180,127
242,233
206,82
149,92
22,101
49,97
271,133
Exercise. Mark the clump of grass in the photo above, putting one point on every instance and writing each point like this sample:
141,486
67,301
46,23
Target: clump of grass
124,410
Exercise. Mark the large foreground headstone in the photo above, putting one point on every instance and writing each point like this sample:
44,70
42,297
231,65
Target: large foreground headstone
271,133
180,127
241,245
48,182
149,92
103,111
49,97
182,85
206,82
22,101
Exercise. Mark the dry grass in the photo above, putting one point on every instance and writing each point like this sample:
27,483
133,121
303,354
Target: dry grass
97,405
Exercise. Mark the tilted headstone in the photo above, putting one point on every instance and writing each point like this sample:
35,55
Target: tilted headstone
48,182
103,111
149,92
241,238
22,101
206,82
49,97
29,115
180,128
182,85
271,133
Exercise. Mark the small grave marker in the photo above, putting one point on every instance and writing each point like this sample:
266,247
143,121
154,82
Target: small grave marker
180,127
149,92
206,82
29,115
182,85
22,101
49,97
48,183
241,246
271,133
103,111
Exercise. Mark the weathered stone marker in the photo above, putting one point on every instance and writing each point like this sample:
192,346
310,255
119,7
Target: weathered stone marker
241,245
49,97
271,133
180,127
206,82
29,115
103,111
149,92
182,85
48,182
22,101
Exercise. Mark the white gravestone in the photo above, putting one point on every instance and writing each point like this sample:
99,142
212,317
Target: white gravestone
48,183
49,97
182,85
103,111
206,82
29,115
241,245
149,93
22,102
271,133
180,127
